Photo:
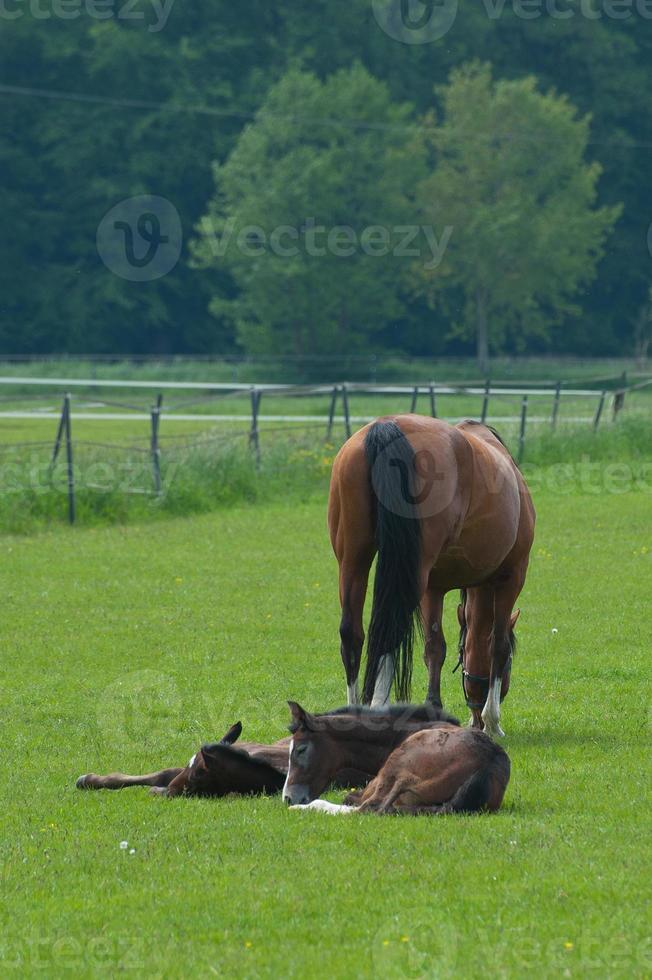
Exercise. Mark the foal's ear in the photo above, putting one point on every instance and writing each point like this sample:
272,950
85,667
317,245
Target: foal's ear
514,618
460,616
233,734
300,718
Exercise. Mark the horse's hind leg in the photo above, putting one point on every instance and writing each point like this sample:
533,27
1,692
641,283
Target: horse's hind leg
352,537
353,589
432,606
505,596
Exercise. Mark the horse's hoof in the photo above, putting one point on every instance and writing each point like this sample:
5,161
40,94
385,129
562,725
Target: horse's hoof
495,732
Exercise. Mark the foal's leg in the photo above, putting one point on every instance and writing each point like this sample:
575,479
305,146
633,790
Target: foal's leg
432,606
325,807
118,780
505,596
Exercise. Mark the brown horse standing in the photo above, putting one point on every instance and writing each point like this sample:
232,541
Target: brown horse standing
444,507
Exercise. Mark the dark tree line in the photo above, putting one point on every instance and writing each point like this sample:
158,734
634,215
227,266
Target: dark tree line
96,111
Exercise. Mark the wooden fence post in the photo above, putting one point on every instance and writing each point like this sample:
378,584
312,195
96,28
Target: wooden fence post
331,414
521,438
433,402
485,401
598,414
69,463
347,416
555,406
155,449
415,395
254,437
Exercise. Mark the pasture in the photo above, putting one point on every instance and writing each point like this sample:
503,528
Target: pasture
125,647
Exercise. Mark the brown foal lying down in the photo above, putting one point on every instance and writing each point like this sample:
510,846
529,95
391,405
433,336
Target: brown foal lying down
219,768
439,769
215,770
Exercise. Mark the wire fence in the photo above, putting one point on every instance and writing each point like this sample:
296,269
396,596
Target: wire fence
251,426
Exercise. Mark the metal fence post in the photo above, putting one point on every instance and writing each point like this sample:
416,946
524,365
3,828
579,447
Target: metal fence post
254,437
69,463
433,402
155,449
555,406
598,414
331,414
619,397
521,438
60,430
485,401
415,395
347,416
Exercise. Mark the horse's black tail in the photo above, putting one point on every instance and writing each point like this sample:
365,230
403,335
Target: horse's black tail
398,540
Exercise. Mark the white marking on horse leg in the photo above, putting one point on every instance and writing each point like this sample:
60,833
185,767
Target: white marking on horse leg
325,807
491,710
352,695
285,784
384,680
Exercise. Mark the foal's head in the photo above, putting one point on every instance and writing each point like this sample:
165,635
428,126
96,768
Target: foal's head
313,758
355,737
219,769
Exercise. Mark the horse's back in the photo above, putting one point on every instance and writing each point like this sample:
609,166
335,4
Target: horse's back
473,504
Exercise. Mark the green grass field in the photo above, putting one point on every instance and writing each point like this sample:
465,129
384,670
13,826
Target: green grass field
126,647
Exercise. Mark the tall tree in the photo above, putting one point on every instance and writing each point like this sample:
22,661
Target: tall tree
511,180
308,213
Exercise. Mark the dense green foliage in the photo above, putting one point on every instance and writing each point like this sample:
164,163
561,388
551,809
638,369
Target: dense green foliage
99,110
511,184
126,648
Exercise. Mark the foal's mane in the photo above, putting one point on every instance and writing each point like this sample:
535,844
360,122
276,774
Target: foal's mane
350,720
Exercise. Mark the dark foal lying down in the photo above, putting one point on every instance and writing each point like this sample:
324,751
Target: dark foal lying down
438,769
219,768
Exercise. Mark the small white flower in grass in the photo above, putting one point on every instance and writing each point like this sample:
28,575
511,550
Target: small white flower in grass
124,844
133,850
554,631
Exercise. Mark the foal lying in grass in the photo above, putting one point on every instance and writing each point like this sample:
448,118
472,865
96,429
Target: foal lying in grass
220,768
439,769
217,769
